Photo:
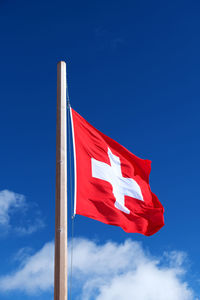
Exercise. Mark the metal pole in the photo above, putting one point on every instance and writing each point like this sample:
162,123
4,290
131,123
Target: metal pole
60,269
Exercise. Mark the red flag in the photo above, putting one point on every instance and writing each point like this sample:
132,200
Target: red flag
112,184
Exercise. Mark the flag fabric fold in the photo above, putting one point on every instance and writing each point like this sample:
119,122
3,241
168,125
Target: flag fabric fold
111,183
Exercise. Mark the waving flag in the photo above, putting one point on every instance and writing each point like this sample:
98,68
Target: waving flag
111,183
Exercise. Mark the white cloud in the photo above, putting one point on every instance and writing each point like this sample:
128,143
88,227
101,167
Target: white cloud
9,201
12,204
107,272
35,273
126,271
31,228
22,255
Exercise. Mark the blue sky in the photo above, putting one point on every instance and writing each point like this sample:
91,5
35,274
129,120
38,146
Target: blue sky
133,72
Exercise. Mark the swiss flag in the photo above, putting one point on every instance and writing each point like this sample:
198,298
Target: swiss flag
111,183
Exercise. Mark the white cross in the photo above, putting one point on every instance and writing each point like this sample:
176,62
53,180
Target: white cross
121,186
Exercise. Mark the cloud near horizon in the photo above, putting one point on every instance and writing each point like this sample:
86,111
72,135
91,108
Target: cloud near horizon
106,272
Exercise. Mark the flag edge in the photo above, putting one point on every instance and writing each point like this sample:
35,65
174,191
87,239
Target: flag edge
74,152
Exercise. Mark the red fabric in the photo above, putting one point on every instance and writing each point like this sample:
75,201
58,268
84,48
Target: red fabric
95,198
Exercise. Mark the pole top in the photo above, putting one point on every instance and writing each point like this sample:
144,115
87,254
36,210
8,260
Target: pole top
61,62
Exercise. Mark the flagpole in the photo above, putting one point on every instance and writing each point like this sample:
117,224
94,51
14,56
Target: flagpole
60,268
